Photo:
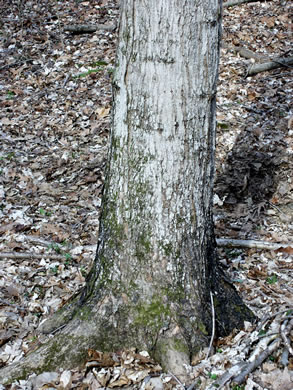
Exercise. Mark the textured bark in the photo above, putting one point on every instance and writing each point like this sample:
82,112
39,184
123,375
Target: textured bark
155,264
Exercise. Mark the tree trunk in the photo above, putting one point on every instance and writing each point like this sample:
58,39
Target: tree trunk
155,265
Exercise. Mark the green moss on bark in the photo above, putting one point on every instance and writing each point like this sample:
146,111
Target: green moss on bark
152,315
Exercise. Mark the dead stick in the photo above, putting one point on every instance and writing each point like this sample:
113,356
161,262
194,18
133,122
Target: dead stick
233,243
238,2
257,362
243,52
268,317
227,376
273,64
284,332
88,28
5,302
28,255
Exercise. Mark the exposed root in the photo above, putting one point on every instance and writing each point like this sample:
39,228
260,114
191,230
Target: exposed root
91,330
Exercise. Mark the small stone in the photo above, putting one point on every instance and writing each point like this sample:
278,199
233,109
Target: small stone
44,379
154,384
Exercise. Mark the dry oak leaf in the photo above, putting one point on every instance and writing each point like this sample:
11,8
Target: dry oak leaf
103,111
100,359
278,379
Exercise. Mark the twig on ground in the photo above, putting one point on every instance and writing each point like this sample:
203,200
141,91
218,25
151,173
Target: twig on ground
5,302
37,240
233,243
243,52
269,317
266,345
284,331
176,379
40,241
285,358
256,362
232,3
270,64
88,28
28,255
273,64
227,376
60,31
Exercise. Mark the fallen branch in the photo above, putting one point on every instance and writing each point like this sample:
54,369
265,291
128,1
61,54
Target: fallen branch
39,241
28,255
273,64
52,244
177,380
5,302
257,362
264,66
285,331
226,377
262,346
232,243
232,3
245,53
270,316
88,28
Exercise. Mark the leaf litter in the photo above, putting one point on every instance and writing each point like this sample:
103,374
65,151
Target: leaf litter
54,125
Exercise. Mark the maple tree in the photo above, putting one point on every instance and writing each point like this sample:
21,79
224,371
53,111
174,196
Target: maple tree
51,152
155,279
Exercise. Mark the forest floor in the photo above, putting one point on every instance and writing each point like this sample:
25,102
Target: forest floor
54,125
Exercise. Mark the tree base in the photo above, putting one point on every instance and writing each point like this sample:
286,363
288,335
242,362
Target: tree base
101,327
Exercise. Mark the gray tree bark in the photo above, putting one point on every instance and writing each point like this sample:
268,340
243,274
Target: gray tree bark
155,265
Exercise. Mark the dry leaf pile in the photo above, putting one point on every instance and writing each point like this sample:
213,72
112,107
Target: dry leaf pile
54,123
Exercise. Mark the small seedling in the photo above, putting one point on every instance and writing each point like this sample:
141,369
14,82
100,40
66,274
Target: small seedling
68,257
223,125
98,63
213,376
10,95
45,213
272,279
83,272
262,332
238,387
233,253
56,248
8,156
85,74
54,270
